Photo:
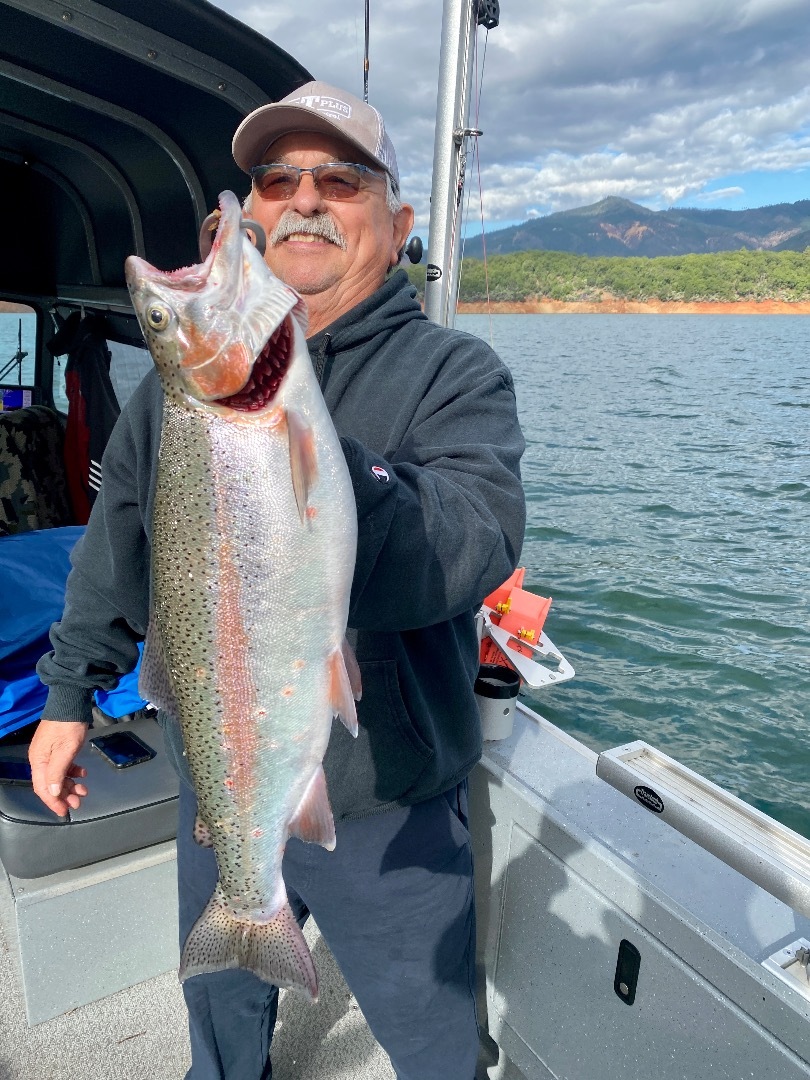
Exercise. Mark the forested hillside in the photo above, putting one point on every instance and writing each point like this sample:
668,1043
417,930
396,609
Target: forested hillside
555,275
619,227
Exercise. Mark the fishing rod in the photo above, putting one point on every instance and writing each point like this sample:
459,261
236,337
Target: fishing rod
365,56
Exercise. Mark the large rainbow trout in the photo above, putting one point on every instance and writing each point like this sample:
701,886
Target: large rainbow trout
253,549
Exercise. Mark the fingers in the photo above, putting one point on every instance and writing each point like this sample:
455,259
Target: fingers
71,794
77,792
53,771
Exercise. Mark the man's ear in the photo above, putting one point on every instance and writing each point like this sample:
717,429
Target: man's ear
403,223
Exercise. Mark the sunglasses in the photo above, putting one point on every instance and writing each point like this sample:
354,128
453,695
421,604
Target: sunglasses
336,180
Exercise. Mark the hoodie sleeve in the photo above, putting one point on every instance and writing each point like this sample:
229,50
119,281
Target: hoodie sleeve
441,522
107,594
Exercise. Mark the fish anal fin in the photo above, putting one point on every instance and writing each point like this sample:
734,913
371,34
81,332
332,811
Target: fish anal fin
341,698
303,460
352,670
313,819
273,949
202,834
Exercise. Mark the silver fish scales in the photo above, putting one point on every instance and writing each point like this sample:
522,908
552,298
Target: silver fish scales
254,538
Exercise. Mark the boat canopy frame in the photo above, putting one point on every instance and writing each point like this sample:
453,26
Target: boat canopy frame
112,126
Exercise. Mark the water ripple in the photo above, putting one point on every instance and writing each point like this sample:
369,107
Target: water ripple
669,518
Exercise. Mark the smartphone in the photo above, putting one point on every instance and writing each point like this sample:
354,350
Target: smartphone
122,749
15,771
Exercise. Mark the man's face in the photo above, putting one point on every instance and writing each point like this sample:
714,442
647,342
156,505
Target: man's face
371,235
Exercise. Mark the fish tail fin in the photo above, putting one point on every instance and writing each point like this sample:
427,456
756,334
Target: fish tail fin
275,951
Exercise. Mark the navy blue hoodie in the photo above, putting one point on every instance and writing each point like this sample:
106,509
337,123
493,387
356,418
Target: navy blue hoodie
428,424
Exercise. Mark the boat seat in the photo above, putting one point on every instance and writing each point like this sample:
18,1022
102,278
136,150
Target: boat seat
125,810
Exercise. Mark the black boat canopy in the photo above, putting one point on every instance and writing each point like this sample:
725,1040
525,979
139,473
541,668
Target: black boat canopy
116,122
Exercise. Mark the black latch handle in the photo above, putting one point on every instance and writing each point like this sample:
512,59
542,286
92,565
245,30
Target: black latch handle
627,966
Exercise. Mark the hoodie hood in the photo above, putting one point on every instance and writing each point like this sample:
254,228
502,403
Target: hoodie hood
372,320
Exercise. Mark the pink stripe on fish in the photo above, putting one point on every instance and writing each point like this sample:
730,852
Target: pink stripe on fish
234,680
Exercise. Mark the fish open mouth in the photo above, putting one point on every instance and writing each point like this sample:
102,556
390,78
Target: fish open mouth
267,373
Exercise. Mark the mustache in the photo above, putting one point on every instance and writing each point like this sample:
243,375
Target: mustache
321,224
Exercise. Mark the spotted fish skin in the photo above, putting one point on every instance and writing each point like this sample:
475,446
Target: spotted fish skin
254,539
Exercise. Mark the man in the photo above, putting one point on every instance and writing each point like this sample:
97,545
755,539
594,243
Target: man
428,426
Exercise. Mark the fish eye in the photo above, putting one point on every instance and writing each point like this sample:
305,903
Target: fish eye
158,316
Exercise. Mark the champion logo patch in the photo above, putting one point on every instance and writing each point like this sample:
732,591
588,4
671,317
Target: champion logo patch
380,474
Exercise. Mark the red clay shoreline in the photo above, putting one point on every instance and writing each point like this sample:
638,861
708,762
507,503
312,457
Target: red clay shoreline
612,306
609,306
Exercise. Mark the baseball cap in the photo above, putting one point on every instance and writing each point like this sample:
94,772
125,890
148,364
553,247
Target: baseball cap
316,106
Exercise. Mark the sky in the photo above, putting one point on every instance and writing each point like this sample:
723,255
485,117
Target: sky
700,103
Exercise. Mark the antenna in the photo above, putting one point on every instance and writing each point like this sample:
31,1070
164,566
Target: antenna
365,59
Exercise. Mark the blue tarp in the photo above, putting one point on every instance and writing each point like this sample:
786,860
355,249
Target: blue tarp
33,569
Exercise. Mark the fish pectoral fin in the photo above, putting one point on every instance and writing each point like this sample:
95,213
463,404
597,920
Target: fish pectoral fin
352,669
341,696
303,460
275,951
313,819
154,681
201,833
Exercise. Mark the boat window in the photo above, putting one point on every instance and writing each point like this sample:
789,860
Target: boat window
129,362
60,398
18,350
128,365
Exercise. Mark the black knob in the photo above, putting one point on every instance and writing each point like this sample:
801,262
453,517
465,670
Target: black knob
414,249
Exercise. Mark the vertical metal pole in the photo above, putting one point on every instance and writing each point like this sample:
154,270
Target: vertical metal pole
459,22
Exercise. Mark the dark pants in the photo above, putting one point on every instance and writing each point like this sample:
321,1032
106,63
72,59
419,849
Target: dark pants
394,902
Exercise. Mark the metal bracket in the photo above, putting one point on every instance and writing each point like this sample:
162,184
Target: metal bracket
792,965
462,133
534,674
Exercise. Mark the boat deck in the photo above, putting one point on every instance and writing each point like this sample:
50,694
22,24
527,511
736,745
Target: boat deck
140,1033
569,867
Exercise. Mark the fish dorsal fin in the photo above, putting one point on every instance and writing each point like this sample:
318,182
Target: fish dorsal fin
341,698
303,460
352,669
313,820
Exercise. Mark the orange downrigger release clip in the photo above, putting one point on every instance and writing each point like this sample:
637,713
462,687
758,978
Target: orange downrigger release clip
518,613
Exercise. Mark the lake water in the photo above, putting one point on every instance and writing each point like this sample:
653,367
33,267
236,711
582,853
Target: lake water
9,337
668,481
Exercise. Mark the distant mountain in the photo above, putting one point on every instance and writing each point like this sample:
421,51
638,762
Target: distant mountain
619,227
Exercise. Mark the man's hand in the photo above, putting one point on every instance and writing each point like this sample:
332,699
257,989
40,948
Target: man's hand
54,746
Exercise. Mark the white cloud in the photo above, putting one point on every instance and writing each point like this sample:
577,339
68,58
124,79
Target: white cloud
648,99
720,194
